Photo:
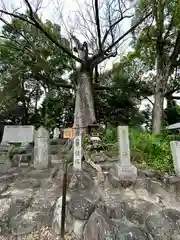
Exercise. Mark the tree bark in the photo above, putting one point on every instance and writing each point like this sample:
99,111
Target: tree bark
160,69
84,106
158,105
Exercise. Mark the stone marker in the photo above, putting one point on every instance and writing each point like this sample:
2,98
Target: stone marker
41,149
123,141
18,134
77,150
125,170
56,133
175,150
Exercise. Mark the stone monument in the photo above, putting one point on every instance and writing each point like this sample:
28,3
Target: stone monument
123,173
56,133
41,149
126,171
175,150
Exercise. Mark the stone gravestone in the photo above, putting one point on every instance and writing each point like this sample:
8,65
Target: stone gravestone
41,149
56,133
175,150
77,150
123,172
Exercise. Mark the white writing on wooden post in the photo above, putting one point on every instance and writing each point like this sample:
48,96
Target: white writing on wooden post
77,150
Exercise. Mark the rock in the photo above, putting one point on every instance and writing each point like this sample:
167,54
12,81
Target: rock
172,214
45,198
3,187
142,182
89,169
22,158
113,178
98,227
5,163
19,204
26,183
8,177
78,228
80,180
99,157
112,208
173,179
82,205
159,227
175,183
25,223
5,204
148,173
175,236
41,174
138,210
130,233
56,222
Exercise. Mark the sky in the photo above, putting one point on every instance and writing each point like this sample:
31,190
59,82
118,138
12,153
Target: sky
50,10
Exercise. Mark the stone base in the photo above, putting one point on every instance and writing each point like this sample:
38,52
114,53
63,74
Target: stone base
22,158
122,175
5,164
127,172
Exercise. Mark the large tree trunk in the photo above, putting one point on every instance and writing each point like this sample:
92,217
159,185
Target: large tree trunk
160,68
158,106
84,106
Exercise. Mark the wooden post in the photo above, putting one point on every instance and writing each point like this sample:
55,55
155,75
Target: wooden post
63,213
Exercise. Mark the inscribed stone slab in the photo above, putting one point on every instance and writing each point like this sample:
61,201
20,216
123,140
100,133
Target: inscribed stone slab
18,134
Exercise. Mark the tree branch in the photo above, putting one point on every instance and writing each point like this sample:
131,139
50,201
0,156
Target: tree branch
169,28
176,50
149,100
98,24
17,16
112,26
129,31
38,25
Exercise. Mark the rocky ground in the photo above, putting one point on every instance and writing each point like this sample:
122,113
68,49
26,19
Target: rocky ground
97,208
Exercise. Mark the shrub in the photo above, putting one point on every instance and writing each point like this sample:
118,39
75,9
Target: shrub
155,150
146,148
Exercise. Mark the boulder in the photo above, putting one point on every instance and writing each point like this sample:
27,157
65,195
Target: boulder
159,227
114,209
130,233
25,223
98,227
80,180
82,205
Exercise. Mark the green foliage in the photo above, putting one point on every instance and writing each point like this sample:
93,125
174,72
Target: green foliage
120,104
147,150
30,65
155,150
